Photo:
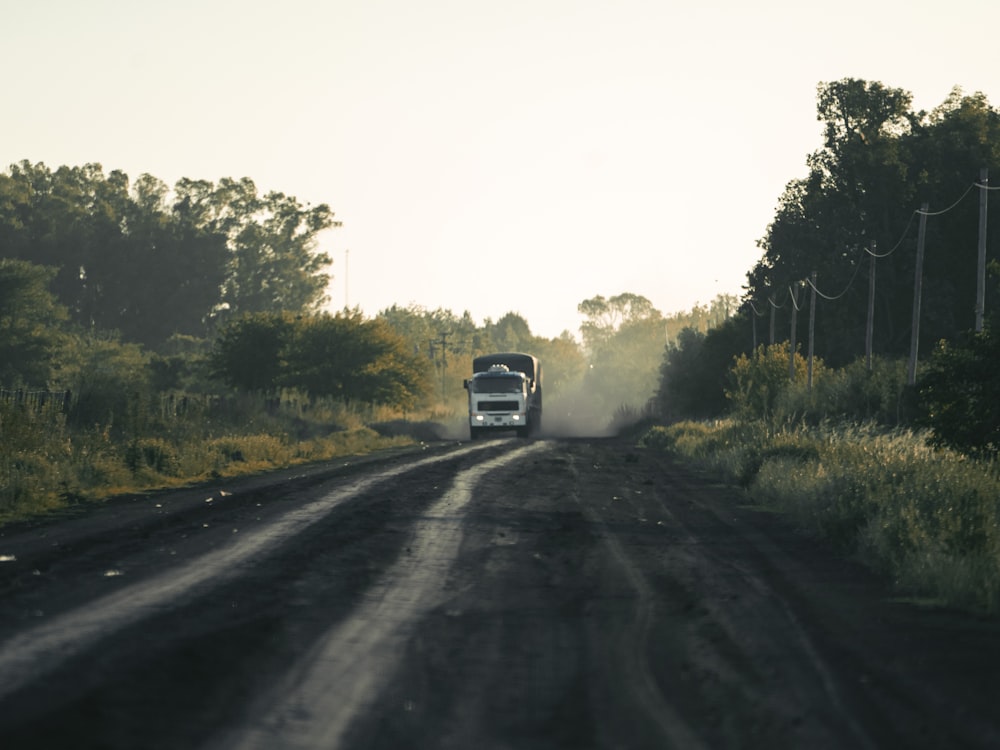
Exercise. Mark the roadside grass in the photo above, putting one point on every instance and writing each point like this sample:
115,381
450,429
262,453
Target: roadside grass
927,519
47,463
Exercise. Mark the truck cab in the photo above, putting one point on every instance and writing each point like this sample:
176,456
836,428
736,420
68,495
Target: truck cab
502,398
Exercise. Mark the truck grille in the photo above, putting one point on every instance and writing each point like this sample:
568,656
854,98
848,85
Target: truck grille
497,405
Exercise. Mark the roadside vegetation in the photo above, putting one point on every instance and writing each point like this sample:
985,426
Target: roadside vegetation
901,477
889,457
47,463
927,519
152,337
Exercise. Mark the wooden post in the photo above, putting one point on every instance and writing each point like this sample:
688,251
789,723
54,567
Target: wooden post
812,330
911,375
984,180
794,293
870,326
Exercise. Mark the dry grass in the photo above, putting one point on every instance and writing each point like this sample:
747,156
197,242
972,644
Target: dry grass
46,464
928,519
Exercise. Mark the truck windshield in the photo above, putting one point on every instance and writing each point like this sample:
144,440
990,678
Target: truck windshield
497,384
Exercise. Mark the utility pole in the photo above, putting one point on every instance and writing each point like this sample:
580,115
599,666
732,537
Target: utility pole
770,331
870,326
444,362
812,330
794,294
911,375
984,181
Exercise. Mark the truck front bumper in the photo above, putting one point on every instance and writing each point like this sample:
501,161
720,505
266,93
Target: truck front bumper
498,421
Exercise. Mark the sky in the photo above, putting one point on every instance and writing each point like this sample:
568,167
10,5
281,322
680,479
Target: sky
486,157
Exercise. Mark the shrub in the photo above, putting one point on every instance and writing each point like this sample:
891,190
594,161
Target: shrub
960,394
759,381
152,453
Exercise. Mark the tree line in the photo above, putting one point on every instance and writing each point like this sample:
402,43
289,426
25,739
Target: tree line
213,285
878,164
849,229
149,262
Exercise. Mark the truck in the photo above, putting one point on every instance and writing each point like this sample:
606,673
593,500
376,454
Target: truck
505,393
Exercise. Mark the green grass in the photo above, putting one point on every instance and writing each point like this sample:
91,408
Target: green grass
927,519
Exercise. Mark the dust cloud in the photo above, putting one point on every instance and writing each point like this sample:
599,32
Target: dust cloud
580,412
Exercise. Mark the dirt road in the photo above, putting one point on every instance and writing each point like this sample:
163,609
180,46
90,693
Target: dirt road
499,594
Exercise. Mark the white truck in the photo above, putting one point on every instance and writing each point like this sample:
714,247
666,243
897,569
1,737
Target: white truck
505,393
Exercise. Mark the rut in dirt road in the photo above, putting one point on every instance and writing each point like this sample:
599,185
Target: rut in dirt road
603,598
344,671
504,595
40,649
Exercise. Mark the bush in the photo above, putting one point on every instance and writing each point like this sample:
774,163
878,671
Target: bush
759,383
959,393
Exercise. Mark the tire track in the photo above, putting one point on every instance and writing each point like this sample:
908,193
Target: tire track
34,653
673,729
344,672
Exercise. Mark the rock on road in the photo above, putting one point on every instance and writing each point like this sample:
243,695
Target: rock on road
498,594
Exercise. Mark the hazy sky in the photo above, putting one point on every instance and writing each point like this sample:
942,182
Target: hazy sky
482,156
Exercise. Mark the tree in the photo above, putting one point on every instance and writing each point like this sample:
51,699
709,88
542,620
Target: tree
959,394
129,260
110,381
511,333
606,316
959,389
878,163
758,381
695,370
342,356
348,357
273,265
162,275
563,364
249,351
30,324
624,337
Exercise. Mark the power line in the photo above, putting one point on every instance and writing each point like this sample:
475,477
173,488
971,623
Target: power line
924,212
850,283
791,294
898,244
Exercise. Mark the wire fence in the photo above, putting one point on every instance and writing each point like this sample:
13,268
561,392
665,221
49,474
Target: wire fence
39,401
169,406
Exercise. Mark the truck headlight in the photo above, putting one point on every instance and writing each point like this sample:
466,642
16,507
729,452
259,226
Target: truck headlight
515,417
479,417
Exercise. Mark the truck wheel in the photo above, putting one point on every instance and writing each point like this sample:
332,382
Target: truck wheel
474,433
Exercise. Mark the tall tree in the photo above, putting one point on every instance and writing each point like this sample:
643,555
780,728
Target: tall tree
879,161
604,316
130,261
274,264
624,337
511,333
